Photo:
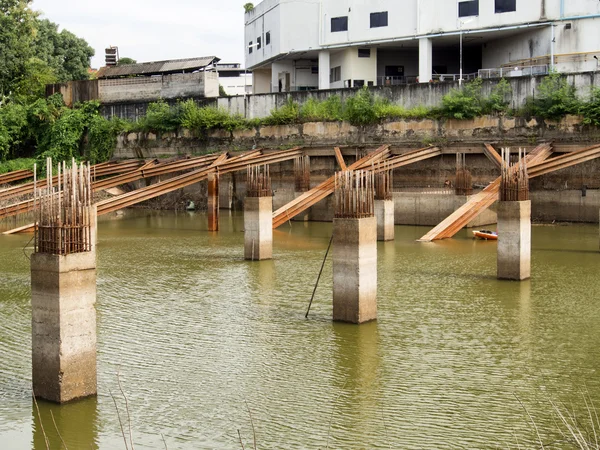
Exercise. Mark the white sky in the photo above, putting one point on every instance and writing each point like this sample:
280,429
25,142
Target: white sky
153,30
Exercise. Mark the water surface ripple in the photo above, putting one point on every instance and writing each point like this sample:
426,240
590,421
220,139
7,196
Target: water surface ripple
205,344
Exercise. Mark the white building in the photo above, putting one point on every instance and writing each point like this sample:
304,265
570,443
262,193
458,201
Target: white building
322,44
234,79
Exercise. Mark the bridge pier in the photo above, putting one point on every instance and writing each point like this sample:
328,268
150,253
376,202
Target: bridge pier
354,249
258,228
213,201
63,297
258,215
514,240
63,288
384,212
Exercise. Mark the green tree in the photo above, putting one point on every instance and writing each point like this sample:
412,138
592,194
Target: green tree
68,55
16,33
125,60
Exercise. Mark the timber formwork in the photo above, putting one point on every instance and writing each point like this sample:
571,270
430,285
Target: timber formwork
369,162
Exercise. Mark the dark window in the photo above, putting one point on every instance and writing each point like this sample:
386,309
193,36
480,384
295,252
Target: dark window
268,38
339,24
335,74
470,8
250,47
379,19
364,52
439,69
394,71
503,6
370,84
314,70
359,83
258,43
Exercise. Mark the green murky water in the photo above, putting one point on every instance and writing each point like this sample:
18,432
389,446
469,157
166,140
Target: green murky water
206,344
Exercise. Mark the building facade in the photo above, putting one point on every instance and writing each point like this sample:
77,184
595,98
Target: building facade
325,44
234,79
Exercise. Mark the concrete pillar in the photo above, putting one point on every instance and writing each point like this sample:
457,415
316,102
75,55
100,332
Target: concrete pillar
258,228
425,60
213,202
225,192
514,240
324,69
355,270
94,228
63,298
384,212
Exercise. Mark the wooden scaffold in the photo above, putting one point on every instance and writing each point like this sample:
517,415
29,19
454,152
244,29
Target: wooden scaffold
514,186
62,212
463,184
354,194
383,181
302,173
258,181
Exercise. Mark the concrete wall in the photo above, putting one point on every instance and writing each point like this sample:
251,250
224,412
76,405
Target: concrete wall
408,96
142,89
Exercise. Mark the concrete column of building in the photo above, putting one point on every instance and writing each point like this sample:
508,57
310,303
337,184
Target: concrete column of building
213,202
514,240
63,298
355,269
384,213
425,60
258,228
324,69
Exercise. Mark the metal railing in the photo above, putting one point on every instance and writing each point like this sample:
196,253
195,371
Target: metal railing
517,71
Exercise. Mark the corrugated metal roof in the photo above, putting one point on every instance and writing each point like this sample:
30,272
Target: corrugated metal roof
157,67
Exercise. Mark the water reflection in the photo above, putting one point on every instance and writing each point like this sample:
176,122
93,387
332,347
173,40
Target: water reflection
74,425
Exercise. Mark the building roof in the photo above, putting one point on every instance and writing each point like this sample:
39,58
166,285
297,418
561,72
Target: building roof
158,67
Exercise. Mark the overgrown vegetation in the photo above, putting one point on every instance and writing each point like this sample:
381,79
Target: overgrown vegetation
45,127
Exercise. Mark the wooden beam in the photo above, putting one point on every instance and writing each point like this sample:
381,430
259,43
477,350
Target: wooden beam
340,159
492,155
479,202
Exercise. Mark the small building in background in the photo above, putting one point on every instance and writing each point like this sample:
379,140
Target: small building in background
195,78
235,79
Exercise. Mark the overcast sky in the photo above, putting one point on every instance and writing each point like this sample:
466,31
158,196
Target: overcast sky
153,30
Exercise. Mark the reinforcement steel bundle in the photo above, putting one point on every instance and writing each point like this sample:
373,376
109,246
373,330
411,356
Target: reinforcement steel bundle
259,181
463,184
514,186
302,173
62,212
383,182
354,194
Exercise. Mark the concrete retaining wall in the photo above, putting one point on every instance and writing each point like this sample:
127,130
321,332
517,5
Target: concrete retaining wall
469,134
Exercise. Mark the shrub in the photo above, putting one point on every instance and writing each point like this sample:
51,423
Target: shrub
556,98
329,110
287,114
498,101
360,109
590,110
465,103
160,117
199,119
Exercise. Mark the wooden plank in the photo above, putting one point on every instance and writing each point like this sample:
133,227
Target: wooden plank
340,159
479,202
24,229
492,155
326,188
